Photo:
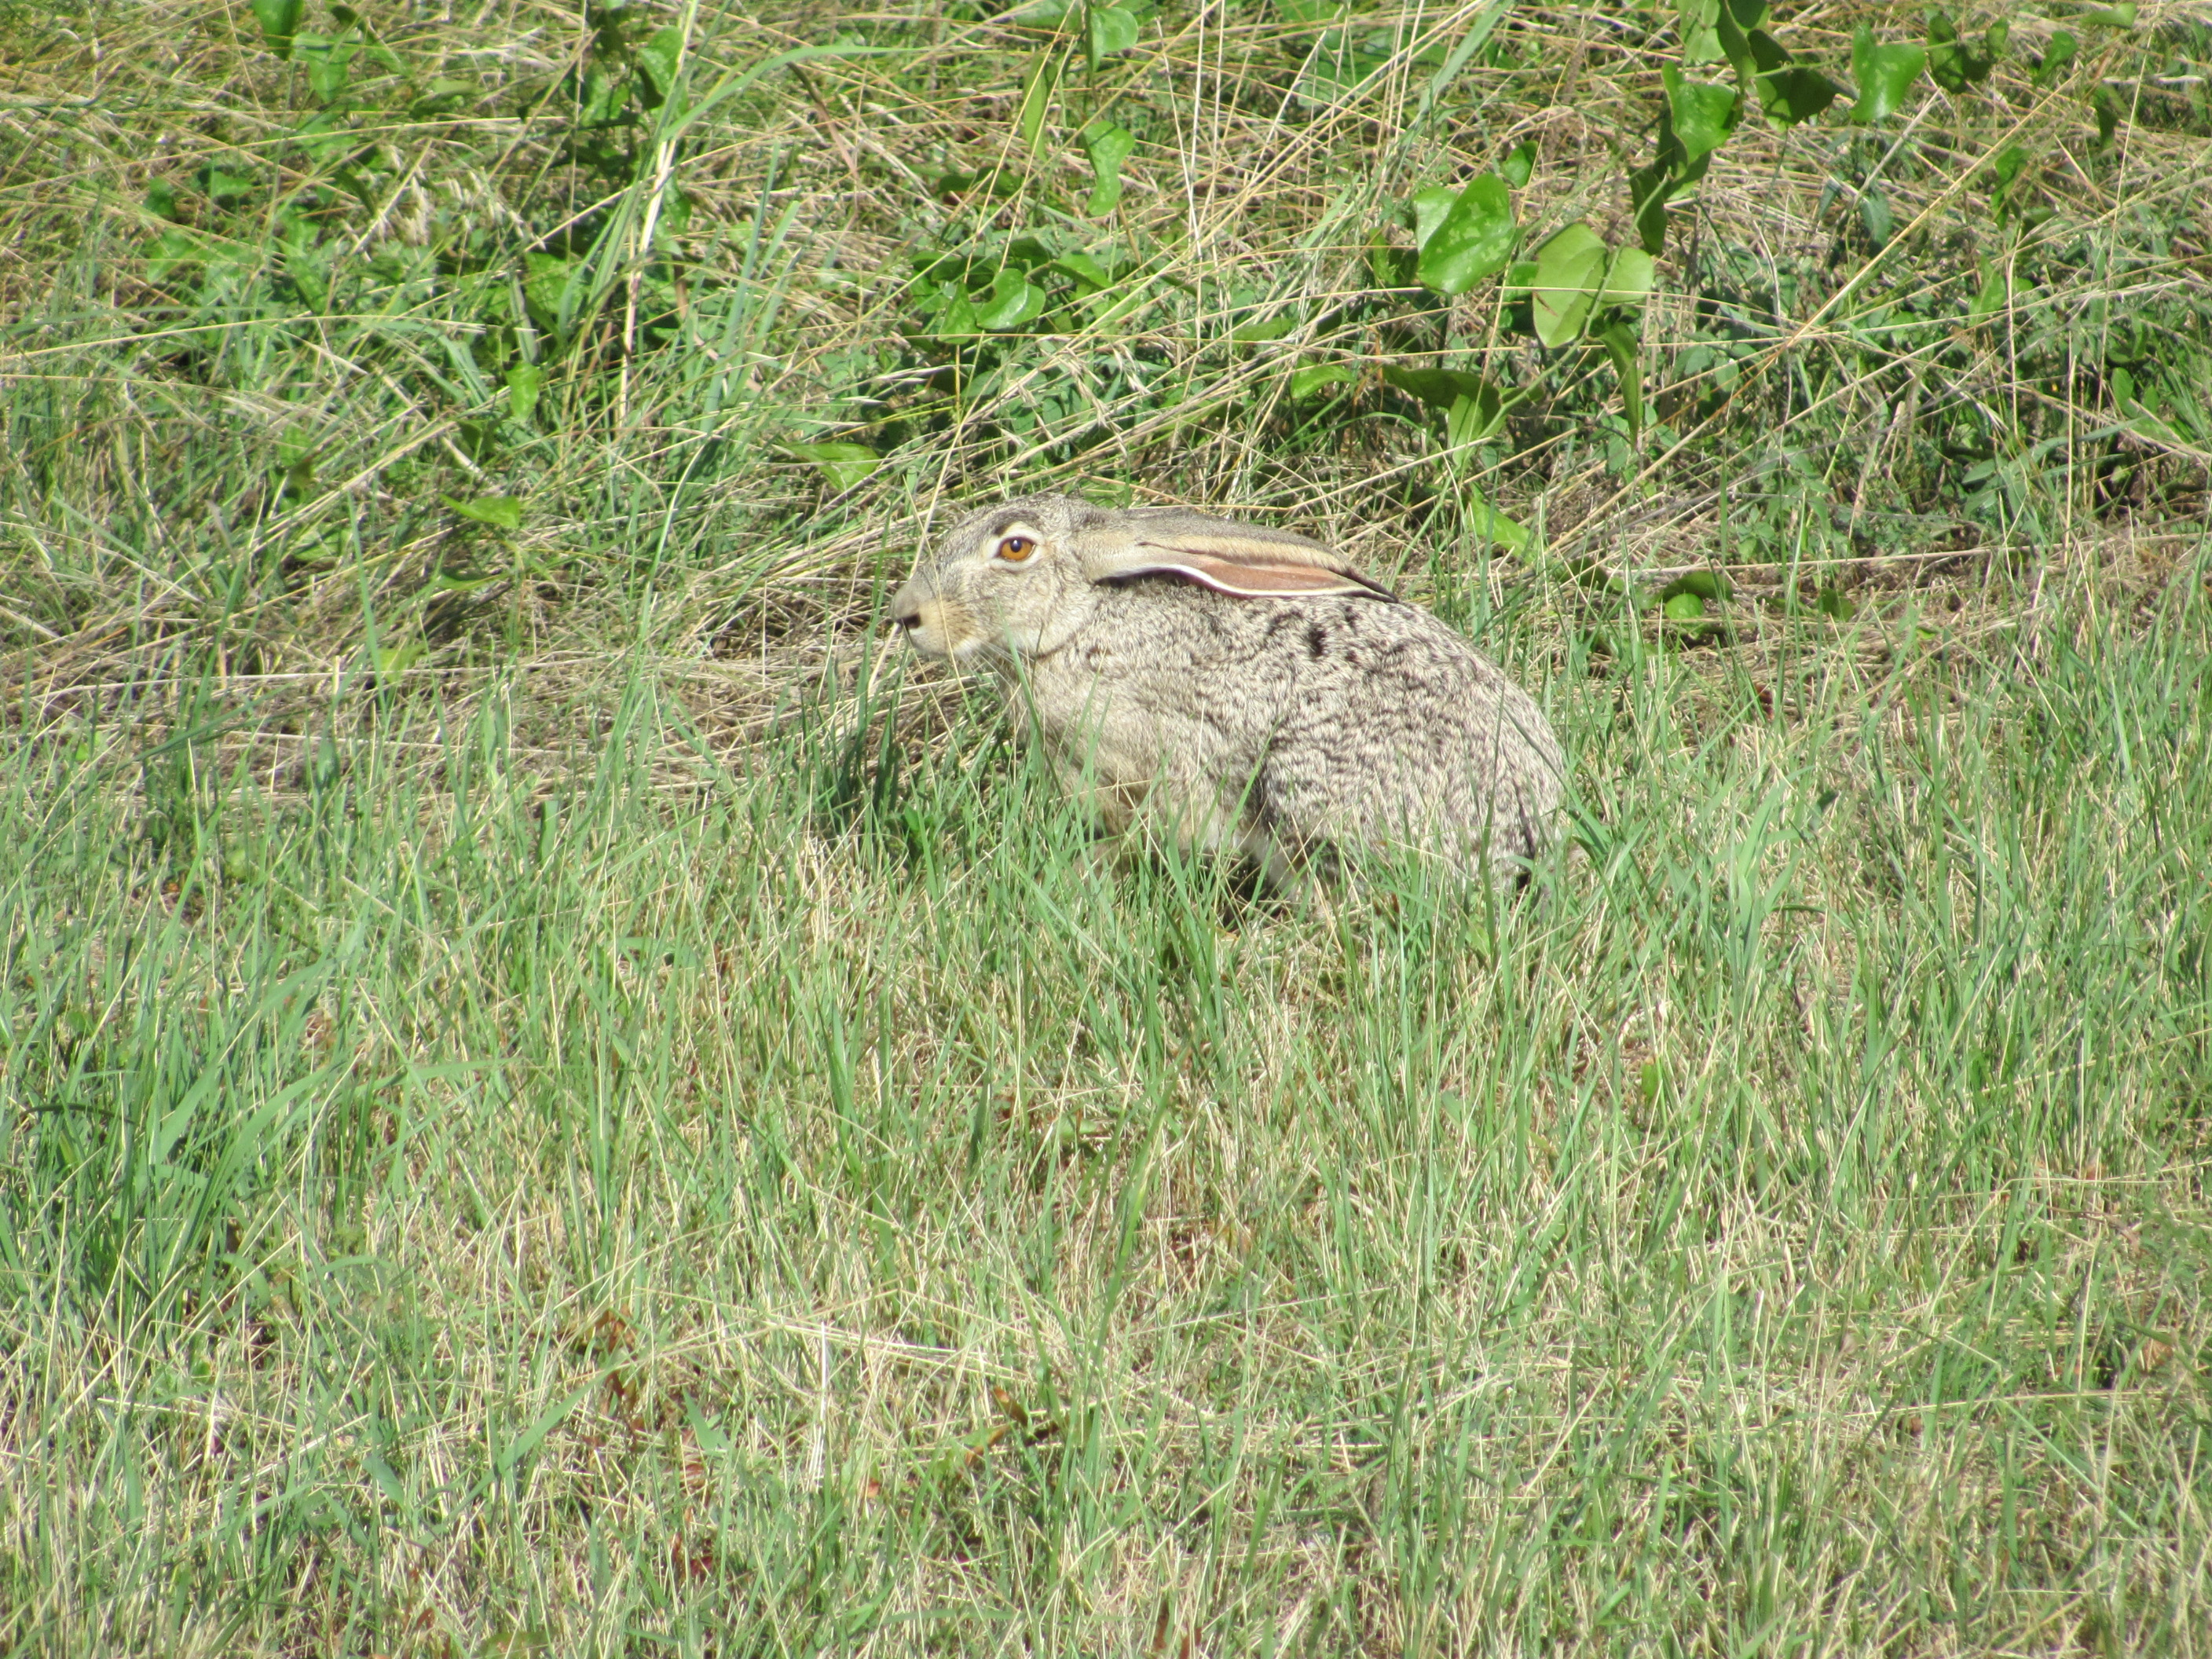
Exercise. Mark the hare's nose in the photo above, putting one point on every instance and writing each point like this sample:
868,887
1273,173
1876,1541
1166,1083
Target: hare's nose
906,610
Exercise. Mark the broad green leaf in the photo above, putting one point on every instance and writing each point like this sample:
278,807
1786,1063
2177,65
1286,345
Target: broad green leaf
502,512
1264,328
1108,147
1478,512
1946,59
1111,30
1472,408
1519,165
1684,607
223,189
1884,74
1085,268
1568,266
1648,191
444,582
326,61
1037,88
1472,240
547,283
659,58
1990,298
172,251
1788,91
1014,300
1620,342
1831,601
1711,586
280,22
1304,382
1432,205
1469,420
1874,214
1628,279
844,465
600,99
524,381
1698,22
398,658
1704,114
2113,17
955,318
2058,58
2008,164
2109,114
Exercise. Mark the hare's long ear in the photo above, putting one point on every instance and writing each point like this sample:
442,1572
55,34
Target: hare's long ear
1238,559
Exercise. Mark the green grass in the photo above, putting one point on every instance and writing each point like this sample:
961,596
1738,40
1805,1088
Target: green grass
559,1098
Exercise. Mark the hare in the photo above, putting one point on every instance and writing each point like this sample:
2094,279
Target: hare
1239,688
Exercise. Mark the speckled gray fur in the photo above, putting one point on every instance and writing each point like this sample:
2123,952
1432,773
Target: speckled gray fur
1276,726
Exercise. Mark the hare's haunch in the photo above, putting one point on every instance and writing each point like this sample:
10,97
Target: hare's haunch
1236,686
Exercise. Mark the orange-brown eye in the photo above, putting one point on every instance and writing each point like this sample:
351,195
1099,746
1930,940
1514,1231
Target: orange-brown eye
1015,549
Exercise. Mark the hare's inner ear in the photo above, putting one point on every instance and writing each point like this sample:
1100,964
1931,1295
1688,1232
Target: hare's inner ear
1242,580
1231,559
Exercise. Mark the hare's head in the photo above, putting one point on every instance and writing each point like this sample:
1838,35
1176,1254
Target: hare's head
1017,580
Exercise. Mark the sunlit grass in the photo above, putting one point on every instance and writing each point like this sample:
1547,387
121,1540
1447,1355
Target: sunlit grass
560,1098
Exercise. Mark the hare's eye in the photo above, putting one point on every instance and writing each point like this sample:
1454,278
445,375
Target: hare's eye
1014,549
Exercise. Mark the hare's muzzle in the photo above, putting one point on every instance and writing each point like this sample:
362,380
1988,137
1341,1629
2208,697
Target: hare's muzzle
917,610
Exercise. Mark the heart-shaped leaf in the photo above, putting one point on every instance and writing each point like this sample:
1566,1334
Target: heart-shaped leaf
1472,240
1108,147
2058,58
1568,266
844,465
503,512
1884,74
1432,205
1704,114
1684,607
1112,30
1788,91
1520,163
1014,300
